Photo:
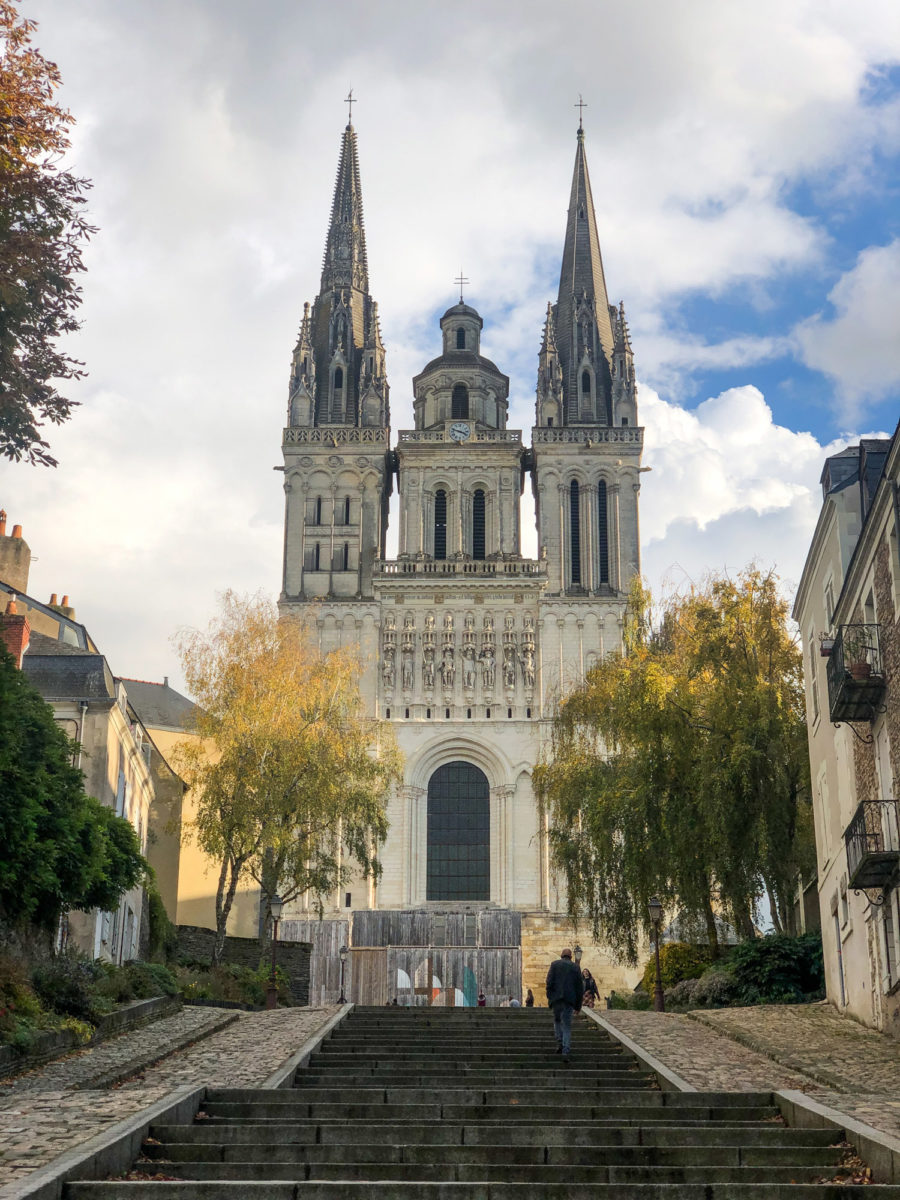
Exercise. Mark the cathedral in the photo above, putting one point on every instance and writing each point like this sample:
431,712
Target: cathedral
467,643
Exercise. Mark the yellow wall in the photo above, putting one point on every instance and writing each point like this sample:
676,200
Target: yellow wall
545,934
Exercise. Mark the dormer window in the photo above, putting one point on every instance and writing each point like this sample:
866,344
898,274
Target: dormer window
459,402
460,339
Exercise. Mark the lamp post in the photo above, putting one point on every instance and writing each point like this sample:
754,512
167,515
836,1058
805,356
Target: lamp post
578,953
343,952
275,907
659,1000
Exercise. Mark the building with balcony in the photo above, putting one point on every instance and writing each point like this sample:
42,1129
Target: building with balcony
467,641
847,608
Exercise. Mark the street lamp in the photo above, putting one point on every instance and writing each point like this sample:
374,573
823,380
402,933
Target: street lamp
659,1000
343,952
578,954
275,907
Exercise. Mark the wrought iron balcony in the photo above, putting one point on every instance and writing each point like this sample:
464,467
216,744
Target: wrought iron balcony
855,673
873,844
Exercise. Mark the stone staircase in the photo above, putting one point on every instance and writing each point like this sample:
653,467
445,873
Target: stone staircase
475,1105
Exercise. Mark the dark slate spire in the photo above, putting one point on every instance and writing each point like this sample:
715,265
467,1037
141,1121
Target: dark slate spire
345,262
582,315
338,370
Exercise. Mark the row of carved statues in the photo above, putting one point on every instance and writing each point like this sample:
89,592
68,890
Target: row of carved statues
443,661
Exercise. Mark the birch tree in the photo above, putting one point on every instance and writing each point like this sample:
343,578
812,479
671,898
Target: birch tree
291,778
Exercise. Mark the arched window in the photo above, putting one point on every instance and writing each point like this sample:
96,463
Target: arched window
337,395
460,339
575,531
586,383
478,547
345,559
440,523
346,510
459,834
459,402
338,379
602,532
318,510
317,556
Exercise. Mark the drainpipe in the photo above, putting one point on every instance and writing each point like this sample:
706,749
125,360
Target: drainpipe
83,706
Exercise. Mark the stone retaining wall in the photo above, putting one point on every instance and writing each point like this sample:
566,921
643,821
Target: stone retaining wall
196,944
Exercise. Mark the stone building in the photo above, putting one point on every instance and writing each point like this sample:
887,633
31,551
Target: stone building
847,608
122,767
467,642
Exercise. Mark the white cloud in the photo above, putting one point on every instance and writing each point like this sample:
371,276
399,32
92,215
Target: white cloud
727,486
859,347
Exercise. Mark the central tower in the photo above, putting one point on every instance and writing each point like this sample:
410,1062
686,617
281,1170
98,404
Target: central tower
467,643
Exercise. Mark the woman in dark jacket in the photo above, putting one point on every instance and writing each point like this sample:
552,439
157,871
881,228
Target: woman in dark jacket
591,991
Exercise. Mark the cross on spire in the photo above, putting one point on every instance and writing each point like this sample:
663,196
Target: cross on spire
349,101
580,106
460,280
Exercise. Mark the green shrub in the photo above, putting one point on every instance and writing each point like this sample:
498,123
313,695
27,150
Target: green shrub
638,1000
162,941
68,985
682,994
778,969
149,979
22,1017
230,982
716,988
677,961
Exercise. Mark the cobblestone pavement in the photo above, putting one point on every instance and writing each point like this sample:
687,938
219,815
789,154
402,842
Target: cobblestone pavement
37,1123
808,1047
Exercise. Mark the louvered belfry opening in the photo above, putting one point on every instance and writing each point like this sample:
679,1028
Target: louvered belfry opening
478,536
575,530
459,402
440,524
602,532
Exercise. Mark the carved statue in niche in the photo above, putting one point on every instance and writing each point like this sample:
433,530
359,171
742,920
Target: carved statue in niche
509,623
429,621
387,669
528,625
448,622
470,622
428,666
509,666
468,654
389,622
409,622
407,670
488,665
488,623
448,670
527,661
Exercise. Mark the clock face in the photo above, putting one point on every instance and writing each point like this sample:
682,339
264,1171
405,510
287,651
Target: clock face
459,431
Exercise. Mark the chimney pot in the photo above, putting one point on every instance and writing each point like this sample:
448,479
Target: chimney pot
65,602
2,522
17,531
11,609
53,599
165,681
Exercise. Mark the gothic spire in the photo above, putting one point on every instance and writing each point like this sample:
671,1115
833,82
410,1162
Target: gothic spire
582,264
345,262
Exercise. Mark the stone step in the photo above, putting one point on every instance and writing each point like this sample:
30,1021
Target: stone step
796,1156
644,1098
488,1113
555,1075
446,1133
383,1057
260,1150
490,1172
566,1189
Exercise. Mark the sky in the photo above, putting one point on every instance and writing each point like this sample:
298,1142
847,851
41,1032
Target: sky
744,164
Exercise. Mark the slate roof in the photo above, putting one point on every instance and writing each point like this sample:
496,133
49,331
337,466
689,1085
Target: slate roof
68,676
462,358
158,705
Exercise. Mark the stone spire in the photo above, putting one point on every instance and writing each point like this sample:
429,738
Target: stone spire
549,385
345,263
584,327
338,369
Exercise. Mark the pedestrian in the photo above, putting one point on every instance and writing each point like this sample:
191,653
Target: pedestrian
482,1000
515,1002
591,991
529,999
565,989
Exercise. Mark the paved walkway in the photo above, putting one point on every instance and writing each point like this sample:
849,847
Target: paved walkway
51,1110
808,1047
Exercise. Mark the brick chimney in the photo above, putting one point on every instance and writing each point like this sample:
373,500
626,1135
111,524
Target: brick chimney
15,557
15,632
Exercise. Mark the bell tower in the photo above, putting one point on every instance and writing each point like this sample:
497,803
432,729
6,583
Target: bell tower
336,440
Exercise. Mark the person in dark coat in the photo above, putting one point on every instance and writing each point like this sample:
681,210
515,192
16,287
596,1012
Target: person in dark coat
529,999
565,991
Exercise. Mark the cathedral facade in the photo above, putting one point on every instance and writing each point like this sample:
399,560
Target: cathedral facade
467,643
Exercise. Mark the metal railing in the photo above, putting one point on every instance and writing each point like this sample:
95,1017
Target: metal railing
873,844
855,673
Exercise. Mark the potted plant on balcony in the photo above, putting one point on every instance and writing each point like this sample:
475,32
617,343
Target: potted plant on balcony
856,654
826,645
